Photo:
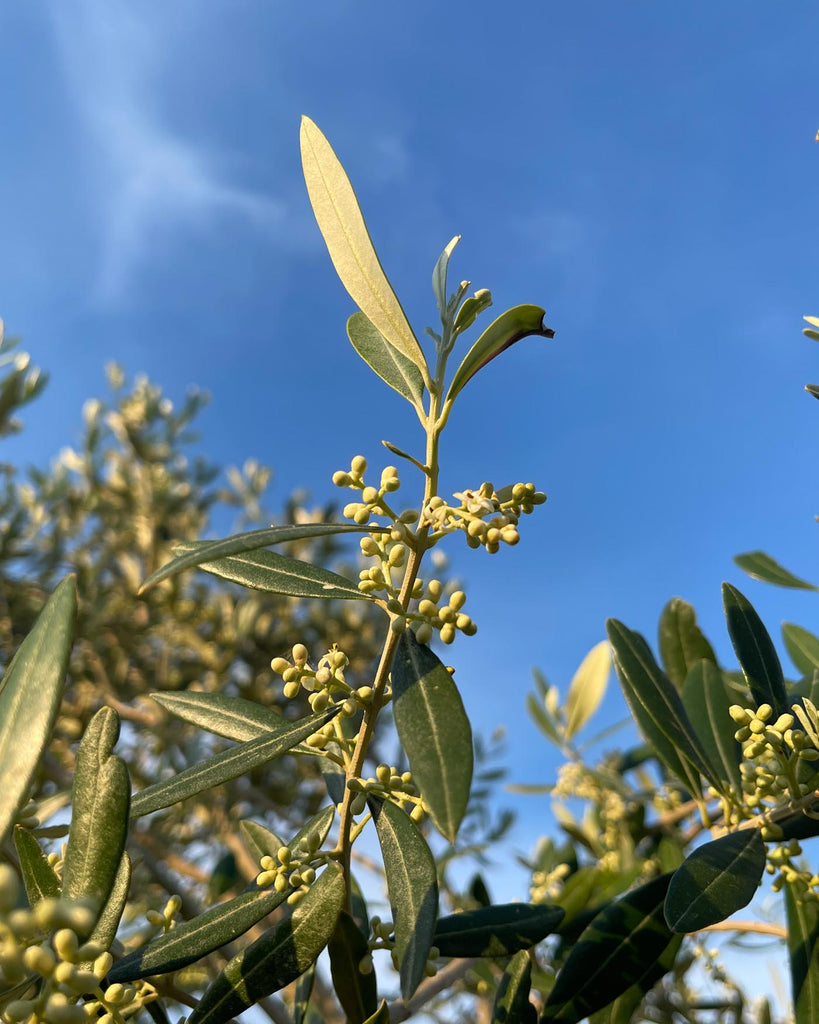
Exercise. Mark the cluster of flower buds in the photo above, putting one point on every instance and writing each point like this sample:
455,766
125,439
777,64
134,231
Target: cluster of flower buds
437,612
373,501
546,886
167,918
488,517
780,863
59,976
771,753
325,685
383,938
387,784
291,869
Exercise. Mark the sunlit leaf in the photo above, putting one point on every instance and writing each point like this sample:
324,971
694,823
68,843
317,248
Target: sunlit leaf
232,717
278,574
471,309
191,940
99,817
386,361
356,991
682,642
105,929
510,327
498,930
229,764
30,698
439,275
351,249
39,877
618,949
512,1004
260,841
802,646
381,1015
754,650
241,543
657,706
279,957
707,699
412,885
716,880
803,954
587,688
434,732
762,567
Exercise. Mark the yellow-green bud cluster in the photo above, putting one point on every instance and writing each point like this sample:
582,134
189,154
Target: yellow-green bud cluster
167,918
488,517
388,783
435,612
325,685
292,869
771,750
390,552
372,498
546,886
58,976
383,938
780,864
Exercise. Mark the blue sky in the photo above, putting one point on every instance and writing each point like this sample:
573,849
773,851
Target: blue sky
645,171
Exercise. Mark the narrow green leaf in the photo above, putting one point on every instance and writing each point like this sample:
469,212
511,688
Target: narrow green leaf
760,566
682,642
105,930
229,764
621,1011
241,543
439,275
587,688
259,841
513,325
403,455
434,732
279,957
191,940
716,880
541,719
301,997
512,1004
618,948
99,816
803,953
386,361
39,877
498,930
412,885
278,574
30,698
802,646
657,706
381,1015
813,389
706,699
754,650
231,717
471,309
351,249
356,991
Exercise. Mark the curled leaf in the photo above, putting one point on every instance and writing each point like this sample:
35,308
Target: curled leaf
510,327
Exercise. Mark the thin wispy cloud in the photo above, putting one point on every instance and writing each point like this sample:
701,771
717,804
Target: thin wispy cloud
153,182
